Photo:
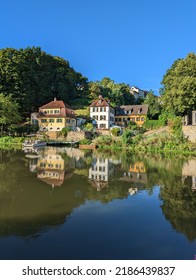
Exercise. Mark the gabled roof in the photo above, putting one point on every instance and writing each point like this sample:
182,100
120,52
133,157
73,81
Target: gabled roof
131,109
100,102
57,104
54,104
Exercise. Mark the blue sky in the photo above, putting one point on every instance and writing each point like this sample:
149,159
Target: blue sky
131,41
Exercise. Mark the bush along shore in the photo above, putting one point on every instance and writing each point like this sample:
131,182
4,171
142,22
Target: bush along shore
9,140
167,139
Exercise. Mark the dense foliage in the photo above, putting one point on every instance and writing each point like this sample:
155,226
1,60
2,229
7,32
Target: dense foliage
154,105
118,94
9,111
179,86
34,78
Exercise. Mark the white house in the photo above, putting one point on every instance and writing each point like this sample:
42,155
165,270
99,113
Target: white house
102,113
100,172
137,93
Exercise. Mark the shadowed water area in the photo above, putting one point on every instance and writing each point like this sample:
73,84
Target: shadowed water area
63,203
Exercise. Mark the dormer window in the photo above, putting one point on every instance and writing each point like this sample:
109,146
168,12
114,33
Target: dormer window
100,101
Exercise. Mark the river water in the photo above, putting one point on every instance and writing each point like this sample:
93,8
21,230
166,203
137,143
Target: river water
63,203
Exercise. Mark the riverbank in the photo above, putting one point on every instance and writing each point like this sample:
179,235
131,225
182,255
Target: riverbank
155,142
9,140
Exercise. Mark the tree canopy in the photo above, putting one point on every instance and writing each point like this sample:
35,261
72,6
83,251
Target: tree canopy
117,93
179,86
154,106
34,77
9,111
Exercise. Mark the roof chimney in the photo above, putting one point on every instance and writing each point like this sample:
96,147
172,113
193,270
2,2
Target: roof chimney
55,99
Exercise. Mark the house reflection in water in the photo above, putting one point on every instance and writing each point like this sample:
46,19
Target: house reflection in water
51,168
99,172
136,175
189,170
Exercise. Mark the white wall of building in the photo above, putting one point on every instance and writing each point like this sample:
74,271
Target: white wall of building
104,116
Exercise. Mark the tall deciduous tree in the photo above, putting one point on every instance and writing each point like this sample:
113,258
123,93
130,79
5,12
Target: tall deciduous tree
117,93
154,106
9,111
179,86
34,77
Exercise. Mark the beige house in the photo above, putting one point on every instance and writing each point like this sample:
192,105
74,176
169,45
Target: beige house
56,115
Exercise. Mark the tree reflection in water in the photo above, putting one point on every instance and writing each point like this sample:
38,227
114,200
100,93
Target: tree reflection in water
30,206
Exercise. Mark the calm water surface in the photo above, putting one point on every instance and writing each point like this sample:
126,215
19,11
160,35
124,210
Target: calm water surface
71,204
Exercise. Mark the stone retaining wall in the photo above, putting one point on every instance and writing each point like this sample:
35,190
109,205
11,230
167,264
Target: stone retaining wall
189,132
75,136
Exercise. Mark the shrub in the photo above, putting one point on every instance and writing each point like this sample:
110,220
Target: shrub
85,142
115,131
153,124
64,131
88,127
126,137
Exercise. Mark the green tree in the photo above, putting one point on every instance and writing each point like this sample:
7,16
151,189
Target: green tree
117,93
154,106
34,77
179,86
9,111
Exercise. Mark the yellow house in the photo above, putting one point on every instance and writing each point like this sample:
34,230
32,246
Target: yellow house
56,115
135,113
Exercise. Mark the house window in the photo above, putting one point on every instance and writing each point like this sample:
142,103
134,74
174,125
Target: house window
102,117
51,120
128,119
104,109
102,125
43,120
51,111
133,119
142,118
137,119
56,111
67,120
59,120
94,109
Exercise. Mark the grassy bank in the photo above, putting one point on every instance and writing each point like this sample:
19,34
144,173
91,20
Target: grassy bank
9,140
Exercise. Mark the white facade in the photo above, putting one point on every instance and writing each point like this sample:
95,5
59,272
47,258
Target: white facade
103,116
137,93
100,170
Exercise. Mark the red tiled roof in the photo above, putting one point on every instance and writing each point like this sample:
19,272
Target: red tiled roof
54,104
57,104
100,102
